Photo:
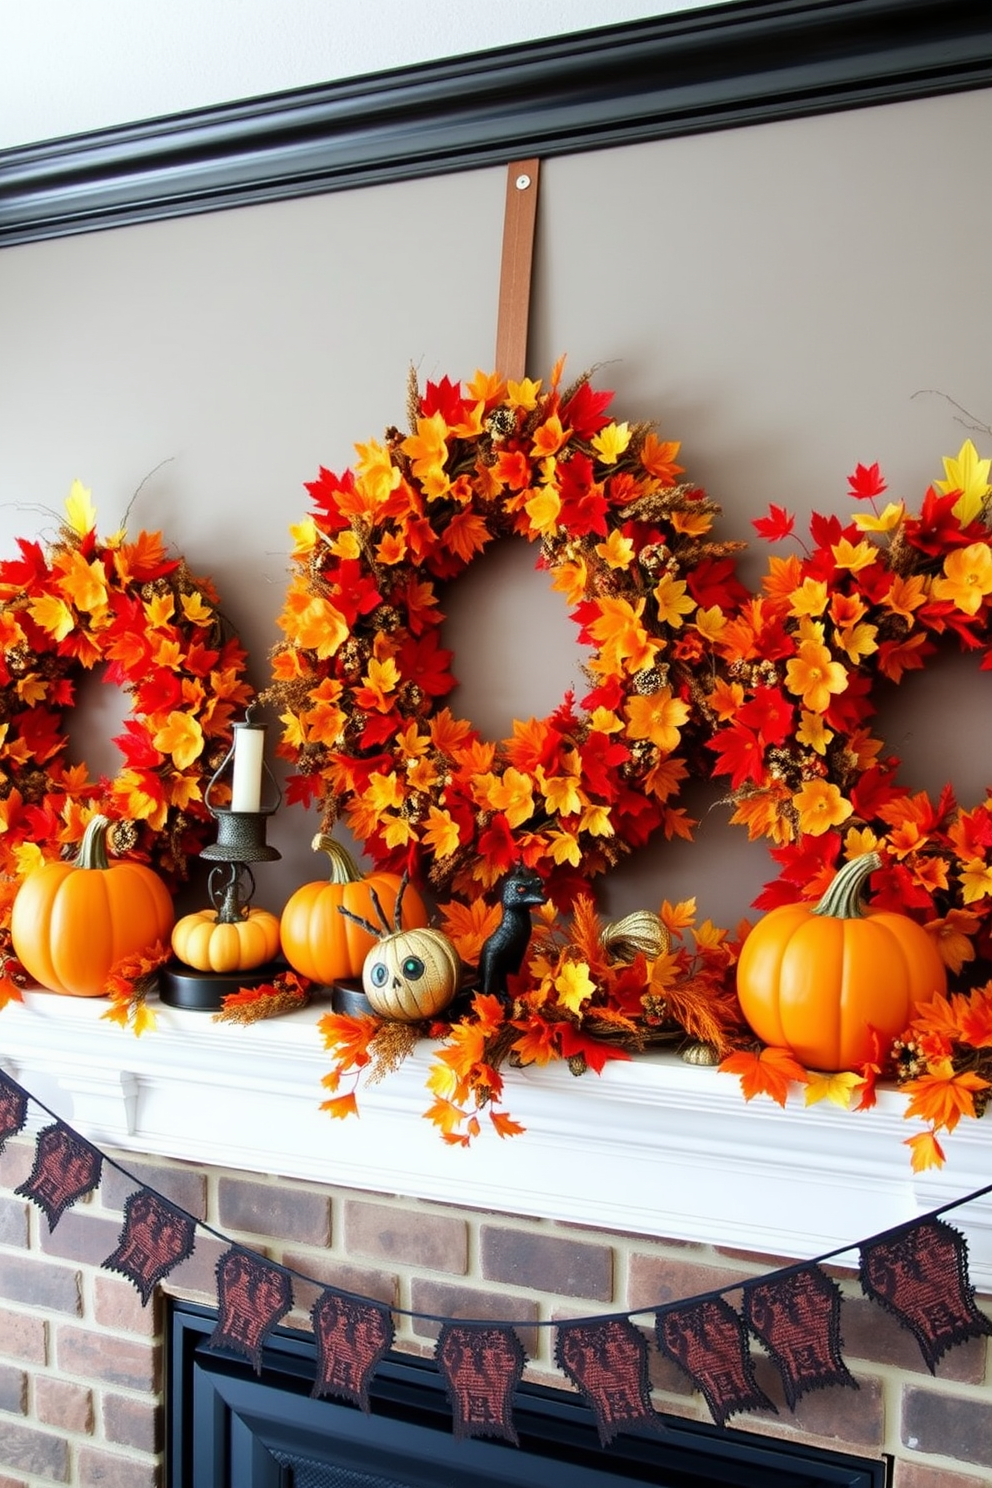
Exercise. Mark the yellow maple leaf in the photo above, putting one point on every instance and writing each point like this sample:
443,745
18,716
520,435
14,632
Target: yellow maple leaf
836,1088
611,442
79,509
617,551
84,583
318,627
561,793
595,820
144,1020
379,476
160,610
182,737
710,623
574,985
52,615
854,557
28,857
441,833
976,880
511,793
565,848
195,610
543,509
523,394
969,475
885,522
383,792
673,600
622,637
657,718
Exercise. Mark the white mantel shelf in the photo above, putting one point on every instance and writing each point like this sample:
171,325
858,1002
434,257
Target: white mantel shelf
652,1146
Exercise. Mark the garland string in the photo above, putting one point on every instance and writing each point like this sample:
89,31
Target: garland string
905,1269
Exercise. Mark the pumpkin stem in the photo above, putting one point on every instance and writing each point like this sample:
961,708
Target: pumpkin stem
843,899
344,869
93,848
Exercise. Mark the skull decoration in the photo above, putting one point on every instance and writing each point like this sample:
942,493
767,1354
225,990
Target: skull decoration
410,974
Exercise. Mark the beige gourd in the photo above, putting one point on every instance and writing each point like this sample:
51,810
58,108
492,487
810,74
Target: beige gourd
409,975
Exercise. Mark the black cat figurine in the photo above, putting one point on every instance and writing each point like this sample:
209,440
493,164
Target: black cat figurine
503,953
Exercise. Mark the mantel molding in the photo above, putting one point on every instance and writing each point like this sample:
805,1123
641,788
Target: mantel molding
652,1146
750,62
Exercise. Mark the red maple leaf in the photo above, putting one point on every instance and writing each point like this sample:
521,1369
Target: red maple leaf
303,790
713,582
595,1053
584,413
937,528
769,714
740,755
778,524
136,746
425,661
866,482
324,492
445,398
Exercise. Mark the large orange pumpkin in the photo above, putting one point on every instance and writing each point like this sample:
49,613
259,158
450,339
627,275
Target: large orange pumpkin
816,980
72,922
325,945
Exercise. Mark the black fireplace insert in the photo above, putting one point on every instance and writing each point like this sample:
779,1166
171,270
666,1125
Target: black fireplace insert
231,1428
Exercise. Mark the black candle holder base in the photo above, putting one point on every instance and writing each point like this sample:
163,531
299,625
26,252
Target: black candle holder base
182,986
347,997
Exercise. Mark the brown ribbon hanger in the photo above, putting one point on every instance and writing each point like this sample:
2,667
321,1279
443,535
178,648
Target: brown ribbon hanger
519,222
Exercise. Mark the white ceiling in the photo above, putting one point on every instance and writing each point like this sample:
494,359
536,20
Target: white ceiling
71,66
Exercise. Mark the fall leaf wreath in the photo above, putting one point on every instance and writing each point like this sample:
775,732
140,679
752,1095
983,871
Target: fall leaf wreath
360,679
865,602
67,607
683,660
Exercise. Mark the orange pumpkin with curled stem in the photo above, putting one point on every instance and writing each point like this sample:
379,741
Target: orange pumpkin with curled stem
322,944
817,979
72,922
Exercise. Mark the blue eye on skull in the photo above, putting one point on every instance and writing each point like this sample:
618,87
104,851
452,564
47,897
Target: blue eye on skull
413,968
379,974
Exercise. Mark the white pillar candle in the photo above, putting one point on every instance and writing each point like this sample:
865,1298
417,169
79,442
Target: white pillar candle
246,782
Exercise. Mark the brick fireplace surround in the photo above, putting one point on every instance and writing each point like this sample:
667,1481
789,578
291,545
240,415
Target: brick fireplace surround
651,1183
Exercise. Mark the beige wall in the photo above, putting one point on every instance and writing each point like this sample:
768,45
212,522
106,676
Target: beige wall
774,296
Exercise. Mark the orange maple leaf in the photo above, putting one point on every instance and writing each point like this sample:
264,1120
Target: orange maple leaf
468,926
926,1151
942,1097
340,1106
769,1072
349,1038
447,1116
975,1017
505,1125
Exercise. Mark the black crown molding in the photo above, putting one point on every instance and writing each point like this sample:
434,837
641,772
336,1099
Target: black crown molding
750,62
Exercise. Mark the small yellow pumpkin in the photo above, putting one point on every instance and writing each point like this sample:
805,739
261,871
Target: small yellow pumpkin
208,942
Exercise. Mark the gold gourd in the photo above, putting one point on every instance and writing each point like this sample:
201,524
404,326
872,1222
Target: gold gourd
638,933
